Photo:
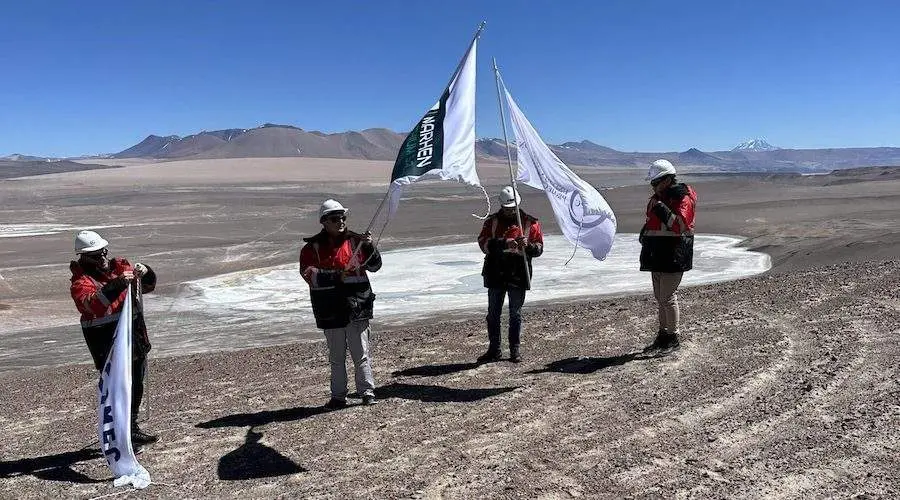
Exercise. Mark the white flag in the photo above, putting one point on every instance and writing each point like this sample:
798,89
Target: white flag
114,410
581,212
442,145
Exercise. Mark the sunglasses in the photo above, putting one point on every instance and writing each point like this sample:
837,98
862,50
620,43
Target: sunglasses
334,219
96,255
657,182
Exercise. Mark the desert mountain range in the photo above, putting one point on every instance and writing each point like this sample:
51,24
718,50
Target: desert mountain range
271,140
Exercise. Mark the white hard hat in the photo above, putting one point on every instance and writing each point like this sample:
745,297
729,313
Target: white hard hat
506,197
330,207
89,241
660,168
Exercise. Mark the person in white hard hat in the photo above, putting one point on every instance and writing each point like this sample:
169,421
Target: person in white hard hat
334,264
99,286
667,246
508,250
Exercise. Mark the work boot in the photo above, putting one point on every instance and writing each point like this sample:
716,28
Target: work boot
490,356
661,341
514,355
672,341
140,437
335,404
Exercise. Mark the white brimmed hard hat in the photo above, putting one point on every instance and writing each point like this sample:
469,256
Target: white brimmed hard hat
509,197
331,207
89,241
660,168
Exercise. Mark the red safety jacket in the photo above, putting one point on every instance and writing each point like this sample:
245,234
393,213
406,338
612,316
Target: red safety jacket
339,287
667,238
504,267
95,308
100,310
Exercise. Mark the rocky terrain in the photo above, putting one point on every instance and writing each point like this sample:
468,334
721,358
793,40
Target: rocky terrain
786,387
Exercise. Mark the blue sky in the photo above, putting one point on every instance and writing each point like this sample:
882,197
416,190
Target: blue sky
97,77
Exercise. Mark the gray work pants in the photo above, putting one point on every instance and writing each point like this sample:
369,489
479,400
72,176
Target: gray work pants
354,336
665,289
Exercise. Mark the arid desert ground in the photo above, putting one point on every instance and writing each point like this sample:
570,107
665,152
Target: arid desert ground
786,385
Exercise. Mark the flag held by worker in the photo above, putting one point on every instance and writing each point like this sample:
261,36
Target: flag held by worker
442,145
582,213
114,406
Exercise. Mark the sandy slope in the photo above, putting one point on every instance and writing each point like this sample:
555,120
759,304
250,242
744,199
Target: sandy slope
787,385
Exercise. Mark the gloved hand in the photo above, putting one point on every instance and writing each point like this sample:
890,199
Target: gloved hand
368,245
140,269
309,272
117,285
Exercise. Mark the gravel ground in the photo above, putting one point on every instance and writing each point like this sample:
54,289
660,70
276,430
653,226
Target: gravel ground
785,387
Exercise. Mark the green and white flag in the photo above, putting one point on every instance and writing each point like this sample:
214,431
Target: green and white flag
442,145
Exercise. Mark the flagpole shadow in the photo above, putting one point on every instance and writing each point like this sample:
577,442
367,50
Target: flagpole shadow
262,418
52,467
587,364
438,394
435,370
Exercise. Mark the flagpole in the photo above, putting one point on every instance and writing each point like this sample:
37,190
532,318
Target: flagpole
512,178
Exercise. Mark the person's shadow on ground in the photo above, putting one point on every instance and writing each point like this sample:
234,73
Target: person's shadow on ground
586,364
52,467
253,460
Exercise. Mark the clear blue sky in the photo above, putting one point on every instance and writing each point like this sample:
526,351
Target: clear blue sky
97,77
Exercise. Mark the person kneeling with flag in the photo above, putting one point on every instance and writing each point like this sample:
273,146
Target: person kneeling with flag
334,264
99,287
508,250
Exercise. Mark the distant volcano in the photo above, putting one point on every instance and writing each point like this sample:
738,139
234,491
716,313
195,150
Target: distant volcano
755,145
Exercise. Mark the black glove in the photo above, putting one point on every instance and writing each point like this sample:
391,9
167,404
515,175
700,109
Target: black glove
114,288
663,212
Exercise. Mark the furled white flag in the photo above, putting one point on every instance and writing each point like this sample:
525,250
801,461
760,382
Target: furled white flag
442,145
581,212
114,410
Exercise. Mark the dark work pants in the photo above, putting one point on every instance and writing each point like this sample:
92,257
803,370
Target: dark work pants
99,342
496,297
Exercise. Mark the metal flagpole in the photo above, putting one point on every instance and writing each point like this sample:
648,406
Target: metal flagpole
512,178
139,299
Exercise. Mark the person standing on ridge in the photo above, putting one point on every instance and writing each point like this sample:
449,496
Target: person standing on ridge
99,286
508,250
667,246
334,264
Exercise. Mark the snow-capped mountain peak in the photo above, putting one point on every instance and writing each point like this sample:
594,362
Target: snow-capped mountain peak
755,145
